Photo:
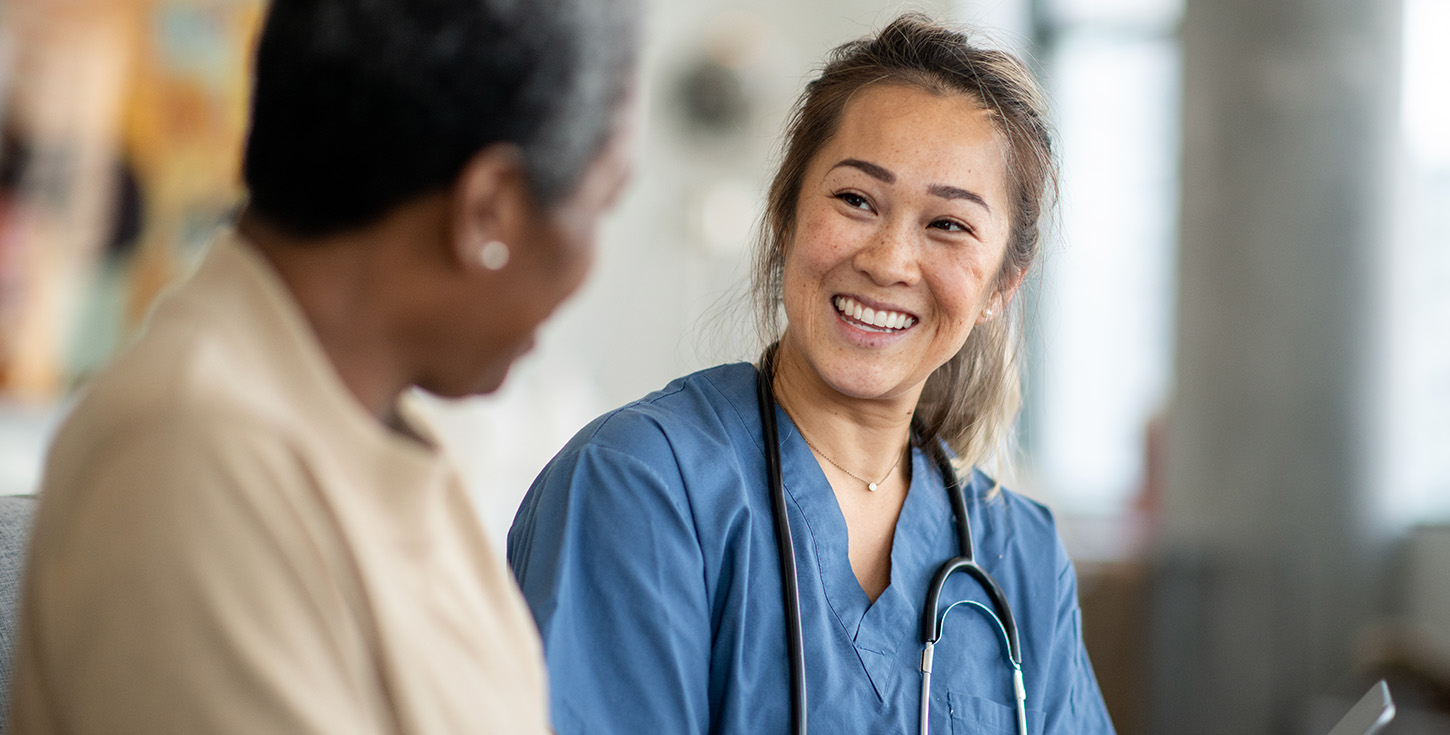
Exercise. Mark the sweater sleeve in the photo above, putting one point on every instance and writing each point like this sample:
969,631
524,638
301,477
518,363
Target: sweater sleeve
177,584
607,555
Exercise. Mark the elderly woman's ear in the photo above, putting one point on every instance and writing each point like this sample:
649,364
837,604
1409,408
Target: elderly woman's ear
491,204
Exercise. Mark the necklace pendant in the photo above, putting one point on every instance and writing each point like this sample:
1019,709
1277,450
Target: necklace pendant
871,486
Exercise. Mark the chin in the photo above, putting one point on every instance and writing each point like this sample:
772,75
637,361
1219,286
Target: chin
467,387
867,384
491,383
876,391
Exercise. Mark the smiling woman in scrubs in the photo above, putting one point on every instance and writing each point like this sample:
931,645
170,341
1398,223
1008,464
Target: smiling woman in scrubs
902,221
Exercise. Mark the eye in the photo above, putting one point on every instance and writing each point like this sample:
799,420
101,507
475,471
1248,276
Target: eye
854,200
951,225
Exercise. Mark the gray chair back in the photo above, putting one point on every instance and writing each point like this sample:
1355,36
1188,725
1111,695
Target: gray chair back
15,516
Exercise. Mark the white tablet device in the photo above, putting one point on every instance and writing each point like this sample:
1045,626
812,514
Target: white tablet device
1373,711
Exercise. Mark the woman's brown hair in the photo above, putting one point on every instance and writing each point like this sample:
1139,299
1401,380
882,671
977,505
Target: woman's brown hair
971,401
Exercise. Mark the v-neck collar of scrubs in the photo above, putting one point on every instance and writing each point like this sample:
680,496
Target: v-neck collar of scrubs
893,619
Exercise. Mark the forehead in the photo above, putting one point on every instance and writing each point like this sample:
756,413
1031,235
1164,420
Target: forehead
939,138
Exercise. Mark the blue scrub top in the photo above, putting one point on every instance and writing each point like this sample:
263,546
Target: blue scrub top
647,553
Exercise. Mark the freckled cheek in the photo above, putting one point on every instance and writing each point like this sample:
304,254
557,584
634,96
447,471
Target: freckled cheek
823,239
956,301
798,288
807,267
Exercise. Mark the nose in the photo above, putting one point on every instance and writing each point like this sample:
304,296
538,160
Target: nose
890,257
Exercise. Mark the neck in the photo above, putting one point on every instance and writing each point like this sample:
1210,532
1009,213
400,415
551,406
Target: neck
866,437
341,284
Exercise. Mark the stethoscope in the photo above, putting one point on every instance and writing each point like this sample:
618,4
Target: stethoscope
931,622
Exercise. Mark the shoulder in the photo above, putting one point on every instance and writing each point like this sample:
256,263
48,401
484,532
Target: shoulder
1013,523
163,385
657,458
204,502
168,424
693,418
188,370
1025,513
161,463
228,341
197,505
187,406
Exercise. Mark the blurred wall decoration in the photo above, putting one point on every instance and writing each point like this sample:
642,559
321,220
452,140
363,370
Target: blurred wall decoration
122,125
61,123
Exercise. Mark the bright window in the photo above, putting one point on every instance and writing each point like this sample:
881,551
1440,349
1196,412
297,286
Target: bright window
1419,451
1102,311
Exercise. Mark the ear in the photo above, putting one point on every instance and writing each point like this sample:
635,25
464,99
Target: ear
1002,296
490,203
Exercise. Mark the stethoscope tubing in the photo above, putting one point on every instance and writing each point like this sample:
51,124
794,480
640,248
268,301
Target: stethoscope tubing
931,627
931,622
785,546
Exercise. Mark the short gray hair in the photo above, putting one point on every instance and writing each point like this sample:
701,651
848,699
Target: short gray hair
361,105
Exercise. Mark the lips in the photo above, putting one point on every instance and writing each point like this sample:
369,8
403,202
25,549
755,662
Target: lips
875,320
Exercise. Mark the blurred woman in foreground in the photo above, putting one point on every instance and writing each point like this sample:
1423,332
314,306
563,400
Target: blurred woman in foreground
243,526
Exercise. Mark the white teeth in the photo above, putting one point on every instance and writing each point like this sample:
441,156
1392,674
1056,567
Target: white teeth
882,319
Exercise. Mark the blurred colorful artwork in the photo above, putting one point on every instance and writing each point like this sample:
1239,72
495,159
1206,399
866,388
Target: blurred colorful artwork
122,127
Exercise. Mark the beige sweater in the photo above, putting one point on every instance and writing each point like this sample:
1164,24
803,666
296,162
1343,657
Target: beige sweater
227,542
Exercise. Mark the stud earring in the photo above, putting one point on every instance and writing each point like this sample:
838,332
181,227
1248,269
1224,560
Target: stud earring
492,254
987,313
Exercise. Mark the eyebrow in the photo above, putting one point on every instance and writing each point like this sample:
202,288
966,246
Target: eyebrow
868,168
941,190
953,192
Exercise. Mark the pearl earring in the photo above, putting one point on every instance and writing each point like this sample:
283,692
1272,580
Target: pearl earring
987,313
492,254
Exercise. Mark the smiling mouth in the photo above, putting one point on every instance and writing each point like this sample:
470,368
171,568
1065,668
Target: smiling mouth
870,319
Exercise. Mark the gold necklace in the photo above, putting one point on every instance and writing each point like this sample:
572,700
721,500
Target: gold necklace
869,484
